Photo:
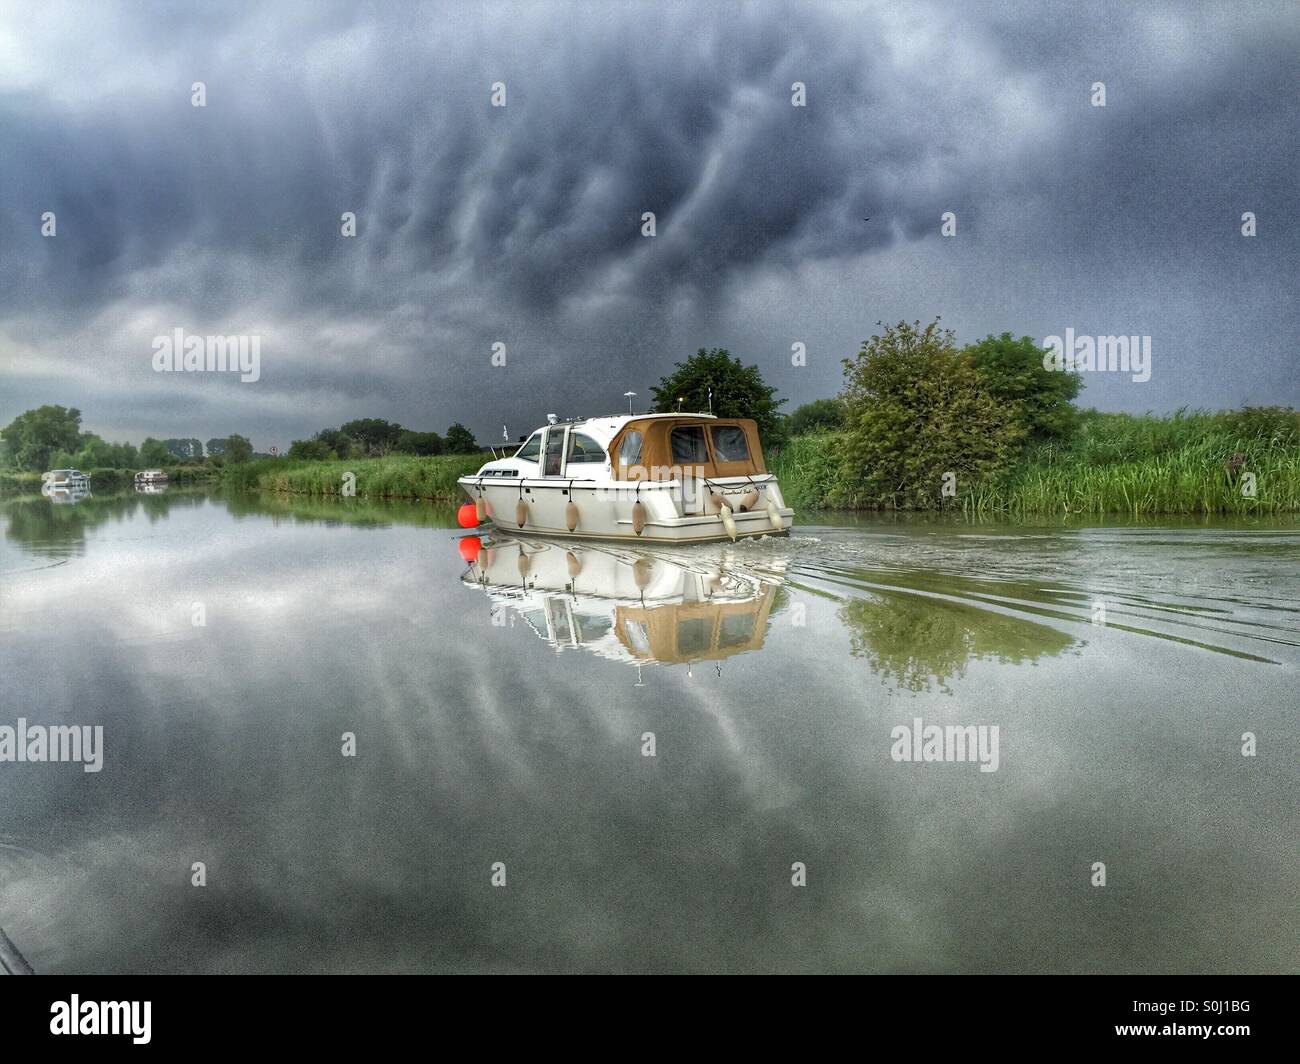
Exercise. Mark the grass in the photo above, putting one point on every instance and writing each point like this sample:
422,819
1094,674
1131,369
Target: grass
809,469
1114,464
393,477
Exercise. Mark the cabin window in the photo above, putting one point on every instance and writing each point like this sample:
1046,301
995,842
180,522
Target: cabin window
737,630
688,446
695,635
584,449
531,450
729,443
629,451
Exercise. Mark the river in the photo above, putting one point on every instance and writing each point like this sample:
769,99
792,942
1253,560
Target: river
341,736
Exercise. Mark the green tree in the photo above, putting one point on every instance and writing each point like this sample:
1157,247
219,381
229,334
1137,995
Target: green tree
1014,374
339,442
421,443
216,447
460,440
737,391
376,436
919,409
154,452
33,436
183,449
238,449
821,415
311,450
95,453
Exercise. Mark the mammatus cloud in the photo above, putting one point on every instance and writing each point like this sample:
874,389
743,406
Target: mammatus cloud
523,223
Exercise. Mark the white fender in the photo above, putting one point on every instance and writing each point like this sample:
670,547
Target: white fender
571,515
521,513
574,566
773,513
638,517
728,522
481,508
748,500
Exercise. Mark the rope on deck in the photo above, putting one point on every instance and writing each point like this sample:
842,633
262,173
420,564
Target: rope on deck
11,960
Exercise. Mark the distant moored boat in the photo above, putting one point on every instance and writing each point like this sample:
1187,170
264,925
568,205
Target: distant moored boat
65,479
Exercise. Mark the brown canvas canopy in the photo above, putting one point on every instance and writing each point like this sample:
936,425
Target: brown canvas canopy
694,631
660,448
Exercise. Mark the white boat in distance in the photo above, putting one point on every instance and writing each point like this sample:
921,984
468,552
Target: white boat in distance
65,480
150,476
678,478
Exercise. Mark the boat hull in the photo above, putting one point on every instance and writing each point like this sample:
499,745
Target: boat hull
654,512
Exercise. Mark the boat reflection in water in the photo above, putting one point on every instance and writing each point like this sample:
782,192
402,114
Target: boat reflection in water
65,493
626,604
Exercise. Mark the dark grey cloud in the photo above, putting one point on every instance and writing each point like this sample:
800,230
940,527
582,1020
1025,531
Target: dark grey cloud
522,224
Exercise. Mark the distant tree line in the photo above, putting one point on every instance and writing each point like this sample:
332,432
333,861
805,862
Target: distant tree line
374,437
50,437
917,411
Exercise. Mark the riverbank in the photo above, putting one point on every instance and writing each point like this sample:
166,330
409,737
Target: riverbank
24,483
1113,464
394,477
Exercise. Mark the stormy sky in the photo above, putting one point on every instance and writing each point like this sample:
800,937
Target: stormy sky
522,224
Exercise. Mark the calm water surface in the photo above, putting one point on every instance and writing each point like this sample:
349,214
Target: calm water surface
499,694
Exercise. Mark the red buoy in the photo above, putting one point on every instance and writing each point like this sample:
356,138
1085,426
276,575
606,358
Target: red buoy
469,548
467,515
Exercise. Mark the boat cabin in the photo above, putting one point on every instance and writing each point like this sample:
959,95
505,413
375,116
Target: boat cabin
645,447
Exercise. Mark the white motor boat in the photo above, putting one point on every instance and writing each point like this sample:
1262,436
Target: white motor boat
65,480
678,478
150,476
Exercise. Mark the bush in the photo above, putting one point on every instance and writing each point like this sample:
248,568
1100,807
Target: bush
1264,425
919,409
821,415
811,470
1014,374
311,451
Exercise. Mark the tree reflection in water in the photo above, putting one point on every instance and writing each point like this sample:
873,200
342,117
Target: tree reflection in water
921,643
